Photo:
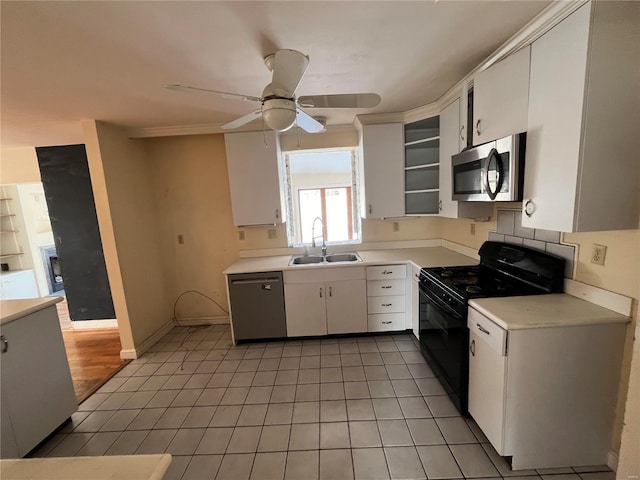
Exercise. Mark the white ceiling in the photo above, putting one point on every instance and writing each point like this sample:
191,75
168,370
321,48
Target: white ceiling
62,62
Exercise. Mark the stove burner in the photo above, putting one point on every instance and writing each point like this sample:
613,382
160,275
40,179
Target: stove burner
473,289
466,281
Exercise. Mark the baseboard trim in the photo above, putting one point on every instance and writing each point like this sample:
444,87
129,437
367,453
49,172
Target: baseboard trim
612,460
133,353
91,324
197,321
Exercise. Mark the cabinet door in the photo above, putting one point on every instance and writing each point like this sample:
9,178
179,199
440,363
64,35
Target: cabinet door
558,68
253,161
305,308
347,306
449,146
36,381
487,389
500,98
382,171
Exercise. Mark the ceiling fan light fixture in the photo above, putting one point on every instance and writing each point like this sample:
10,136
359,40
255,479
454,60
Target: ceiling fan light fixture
279,114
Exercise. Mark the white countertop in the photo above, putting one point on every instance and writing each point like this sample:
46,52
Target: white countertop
11,310
116,467
421,257
543,311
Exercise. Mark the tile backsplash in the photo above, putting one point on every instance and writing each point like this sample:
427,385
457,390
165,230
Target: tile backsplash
510,230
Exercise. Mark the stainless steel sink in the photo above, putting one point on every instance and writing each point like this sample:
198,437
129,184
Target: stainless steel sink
331,258
343,257
306,260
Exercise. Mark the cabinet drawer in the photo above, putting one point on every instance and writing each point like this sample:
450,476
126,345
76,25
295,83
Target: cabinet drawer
385,272
386,304
382,322
495,336
378,288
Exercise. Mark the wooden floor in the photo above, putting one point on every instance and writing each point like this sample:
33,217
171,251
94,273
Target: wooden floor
94,355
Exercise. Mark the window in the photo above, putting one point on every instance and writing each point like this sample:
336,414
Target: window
321,184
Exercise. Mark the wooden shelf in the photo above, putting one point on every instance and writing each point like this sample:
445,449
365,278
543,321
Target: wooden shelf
422,191
422,140
9,255
426,165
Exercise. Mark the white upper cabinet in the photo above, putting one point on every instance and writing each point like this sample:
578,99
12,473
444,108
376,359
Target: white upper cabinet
381,170
581,169
450,141
254,164
500,98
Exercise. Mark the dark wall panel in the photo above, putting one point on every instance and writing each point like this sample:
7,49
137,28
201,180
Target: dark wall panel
67,187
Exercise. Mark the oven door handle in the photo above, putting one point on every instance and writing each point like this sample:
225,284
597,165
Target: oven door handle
493,154
440,304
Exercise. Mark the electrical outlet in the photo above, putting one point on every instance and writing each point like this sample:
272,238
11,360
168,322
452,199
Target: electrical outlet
240,234
180,239
598,253
396,226
472,228
272,233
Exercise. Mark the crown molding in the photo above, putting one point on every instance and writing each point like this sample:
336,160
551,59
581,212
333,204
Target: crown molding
201,129
541,24
374,118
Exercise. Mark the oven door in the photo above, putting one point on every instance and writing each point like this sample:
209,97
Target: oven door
444,337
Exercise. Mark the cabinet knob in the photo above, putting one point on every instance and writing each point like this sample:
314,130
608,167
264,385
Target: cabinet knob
320,292
472,348
330,292
5,344
370,209
529,208
440,205
478,127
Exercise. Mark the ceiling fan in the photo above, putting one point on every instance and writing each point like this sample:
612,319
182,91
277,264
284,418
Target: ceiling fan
280,109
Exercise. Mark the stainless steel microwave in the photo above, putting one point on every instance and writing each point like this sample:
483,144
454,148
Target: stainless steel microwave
493,171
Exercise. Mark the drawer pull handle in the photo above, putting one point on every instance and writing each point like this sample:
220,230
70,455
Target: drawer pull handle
472,348
5,344
387,304
482,329
387,272
387,323
386,286
320,292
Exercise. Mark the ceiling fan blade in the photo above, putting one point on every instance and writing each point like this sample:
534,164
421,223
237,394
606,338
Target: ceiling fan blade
288,68
185,88
307,122
238,122
349,100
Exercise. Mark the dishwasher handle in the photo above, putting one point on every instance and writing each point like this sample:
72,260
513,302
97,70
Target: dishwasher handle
255,281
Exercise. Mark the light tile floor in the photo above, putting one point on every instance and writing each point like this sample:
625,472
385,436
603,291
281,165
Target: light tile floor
338,408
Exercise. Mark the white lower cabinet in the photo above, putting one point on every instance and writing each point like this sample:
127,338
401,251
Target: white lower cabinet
35,382
545,396
305,309
386,297
325,301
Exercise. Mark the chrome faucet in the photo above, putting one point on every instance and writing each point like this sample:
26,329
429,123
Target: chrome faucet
313,236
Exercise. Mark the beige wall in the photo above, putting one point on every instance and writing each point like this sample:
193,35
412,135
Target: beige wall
19,165
191,188
343,137
620,274
129,226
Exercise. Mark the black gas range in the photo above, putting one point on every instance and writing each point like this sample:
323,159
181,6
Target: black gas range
504,270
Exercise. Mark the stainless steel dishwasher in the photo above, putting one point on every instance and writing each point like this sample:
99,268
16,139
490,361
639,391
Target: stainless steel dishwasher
257,305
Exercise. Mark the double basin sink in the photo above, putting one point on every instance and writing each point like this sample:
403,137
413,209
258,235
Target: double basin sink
331,258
